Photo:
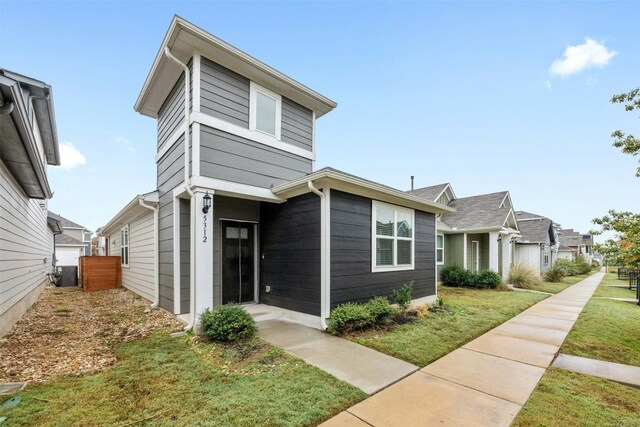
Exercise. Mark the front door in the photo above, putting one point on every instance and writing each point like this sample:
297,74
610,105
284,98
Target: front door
475,256
238,262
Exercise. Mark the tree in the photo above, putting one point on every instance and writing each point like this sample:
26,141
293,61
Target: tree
629,143
624,248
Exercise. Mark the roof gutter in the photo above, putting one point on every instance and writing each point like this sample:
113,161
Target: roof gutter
156,278
323,253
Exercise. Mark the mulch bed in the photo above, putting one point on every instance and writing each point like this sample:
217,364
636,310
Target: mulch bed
68,331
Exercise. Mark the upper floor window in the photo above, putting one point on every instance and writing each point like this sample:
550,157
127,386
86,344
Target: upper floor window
393,237
265,110
86,236
124,246
440,249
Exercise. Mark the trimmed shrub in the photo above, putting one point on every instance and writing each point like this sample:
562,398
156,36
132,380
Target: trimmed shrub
455,275
380,309
350,317
523,276
228,322
402,296
487,279
554,275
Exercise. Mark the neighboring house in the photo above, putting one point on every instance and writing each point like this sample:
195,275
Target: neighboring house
479,234
132,235
537,246
242,216
28,144
574,244
74,242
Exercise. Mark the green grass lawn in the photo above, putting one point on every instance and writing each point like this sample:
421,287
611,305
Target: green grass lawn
565,398
472,313
554,288
613,288
179,382
606,330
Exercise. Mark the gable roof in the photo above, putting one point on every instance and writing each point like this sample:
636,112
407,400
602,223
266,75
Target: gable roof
479,212
533,228
569,237
430,193
185,39
66,223
63,239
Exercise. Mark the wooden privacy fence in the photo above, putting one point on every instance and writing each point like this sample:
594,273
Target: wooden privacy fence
100,272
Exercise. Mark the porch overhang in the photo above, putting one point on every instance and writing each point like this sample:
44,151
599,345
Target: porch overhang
334,179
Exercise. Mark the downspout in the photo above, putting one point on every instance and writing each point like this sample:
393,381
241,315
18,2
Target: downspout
156,279
323,260
192,258
187,182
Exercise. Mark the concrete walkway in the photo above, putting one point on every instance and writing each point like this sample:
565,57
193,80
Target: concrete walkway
618,372
485,382
357,365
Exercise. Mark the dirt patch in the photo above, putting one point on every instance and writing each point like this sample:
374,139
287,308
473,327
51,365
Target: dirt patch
68,331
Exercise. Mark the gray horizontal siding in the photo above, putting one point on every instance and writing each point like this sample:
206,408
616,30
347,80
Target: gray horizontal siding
351,262
297,125
25,242
224,94
232,158
171,114
185,255
290,238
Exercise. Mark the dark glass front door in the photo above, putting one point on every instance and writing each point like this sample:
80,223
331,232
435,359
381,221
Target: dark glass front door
238,262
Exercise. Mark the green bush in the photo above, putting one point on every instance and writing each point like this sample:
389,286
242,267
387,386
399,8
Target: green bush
350,317
454,275
402,296
573,268
487,279
523,276
380,309
554,275
229,322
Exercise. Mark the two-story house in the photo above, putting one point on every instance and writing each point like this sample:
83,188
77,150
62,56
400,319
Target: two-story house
242,217
73,243
28,143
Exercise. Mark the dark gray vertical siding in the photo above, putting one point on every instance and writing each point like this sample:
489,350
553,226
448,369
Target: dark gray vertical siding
297,124
185,254
171,114
290,245
170,174
351,263
232,158
224,94
233,209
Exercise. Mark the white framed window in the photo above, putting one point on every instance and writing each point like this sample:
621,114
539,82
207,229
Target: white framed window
440,249
265,111
392,237
86,236
124,246
546,253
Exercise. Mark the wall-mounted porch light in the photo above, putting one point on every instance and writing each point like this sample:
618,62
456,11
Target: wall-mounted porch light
206,203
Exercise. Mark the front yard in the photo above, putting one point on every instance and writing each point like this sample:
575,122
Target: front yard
148,376
606,330
611,287
554,288
471,313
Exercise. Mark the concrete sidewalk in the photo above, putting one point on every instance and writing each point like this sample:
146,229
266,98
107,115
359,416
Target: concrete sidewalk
485,382
357,365
625,374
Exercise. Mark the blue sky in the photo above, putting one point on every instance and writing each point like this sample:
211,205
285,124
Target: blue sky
447,91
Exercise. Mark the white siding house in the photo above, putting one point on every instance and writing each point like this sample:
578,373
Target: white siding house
28,145
130,235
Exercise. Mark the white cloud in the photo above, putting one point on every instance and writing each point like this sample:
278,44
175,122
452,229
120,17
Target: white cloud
124,142
70,156
580,57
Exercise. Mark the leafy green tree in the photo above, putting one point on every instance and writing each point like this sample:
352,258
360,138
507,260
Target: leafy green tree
624,247
627,142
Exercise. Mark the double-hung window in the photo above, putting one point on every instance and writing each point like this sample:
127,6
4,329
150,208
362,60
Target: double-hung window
440,249
124,246
265,111
393,237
